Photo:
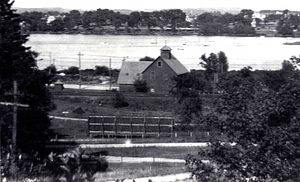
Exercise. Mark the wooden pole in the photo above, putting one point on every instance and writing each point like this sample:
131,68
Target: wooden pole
15,110
79,55
109,73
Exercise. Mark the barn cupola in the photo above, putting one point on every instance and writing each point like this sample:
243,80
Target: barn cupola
165,52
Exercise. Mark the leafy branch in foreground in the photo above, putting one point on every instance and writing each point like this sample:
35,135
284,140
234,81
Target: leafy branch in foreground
263,132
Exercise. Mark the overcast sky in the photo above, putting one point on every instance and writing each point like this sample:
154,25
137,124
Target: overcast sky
160,4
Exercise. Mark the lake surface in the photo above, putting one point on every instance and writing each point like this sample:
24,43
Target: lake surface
258,52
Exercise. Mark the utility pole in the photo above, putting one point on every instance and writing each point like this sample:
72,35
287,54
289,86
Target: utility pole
109,73
15,110
79,55
50,63
15,120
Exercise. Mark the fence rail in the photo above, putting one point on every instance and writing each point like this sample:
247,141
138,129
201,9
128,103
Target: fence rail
130,125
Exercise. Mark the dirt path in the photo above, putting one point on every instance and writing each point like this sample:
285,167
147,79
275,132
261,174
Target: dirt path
119,159
99,146
182,177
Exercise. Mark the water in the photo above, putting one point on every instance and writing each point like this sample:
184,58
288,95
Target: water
258,52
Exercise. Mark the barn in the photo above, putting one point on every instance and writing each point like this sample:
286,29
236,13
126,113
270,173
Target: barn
158,74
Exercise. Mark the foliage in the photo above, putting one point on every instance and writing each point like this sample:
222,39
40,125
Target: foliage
214,64
262,126
18,63
187,92
102,70
275,79
141,86
215,24
119,100
147,58
51,71
73,70
75,166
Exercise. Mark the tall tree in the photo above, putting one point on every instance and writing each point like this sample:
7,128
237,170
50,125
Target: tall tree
18,63
210,64
223,62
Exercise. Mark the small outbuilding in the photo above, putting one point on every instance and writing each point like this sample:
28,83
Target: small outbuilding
58,85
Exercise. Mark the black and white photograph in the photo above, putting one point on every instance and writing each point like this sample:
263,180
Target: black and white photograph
149,91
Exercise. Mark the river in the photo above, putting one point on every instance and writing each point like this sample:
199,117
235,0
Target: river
265,53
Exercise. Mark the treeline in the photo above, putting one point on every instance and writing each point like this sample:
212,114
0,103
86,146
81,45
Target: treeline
104,21
87,75
74,20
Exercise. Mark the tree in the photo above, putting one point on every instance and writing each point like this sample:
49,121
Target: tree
102,70
210,64
73,70
147,58
262,129
141,86
57,25
187,92
175,17
76,16
18,63
134,19
223,62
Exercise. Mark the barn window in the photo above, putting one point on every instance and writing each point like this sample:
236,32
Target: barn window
152,75
159,63
166,76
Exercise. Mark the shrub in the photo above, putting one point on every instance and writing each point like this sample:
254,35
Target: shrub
119,100
75,166
141,86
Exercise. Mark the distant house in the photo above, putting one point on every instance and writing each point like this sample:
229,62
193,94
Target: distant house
158,74
130,71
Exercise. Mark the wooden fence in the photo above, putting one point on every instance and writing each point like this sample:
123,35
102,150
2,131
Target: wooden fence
130,126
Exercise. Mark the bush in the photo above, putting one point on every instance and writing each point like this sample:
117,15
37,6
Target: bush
75,166
119,100
141,86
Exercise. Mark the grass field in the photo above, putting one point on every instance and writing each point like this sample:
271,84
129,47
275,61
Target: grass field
97,105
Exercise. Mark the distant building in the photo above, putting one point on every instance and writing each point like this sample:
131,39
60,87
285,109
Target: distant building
158,74
50,19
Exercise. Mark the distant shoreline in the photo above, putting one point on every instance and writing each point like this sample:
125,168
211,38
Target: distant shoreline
154,34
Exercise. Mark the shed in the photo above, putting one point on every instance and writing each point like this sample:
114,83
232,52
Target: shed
58,85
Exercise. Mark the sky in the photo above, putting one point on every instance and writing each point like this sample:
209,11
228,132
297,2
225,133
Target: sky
143,5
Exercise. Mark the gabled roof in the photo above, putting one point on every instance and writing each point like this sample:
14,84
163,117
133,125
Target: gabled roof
174,64
130,70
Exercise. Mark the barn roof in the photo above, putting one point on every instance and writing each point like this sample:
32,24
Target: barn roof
174,64
131,70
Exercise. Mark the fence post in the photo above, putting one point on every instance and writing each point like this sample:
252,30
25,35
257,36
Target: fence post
88,128
158,127
115,125
172,127
131,127
144,126
102,122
